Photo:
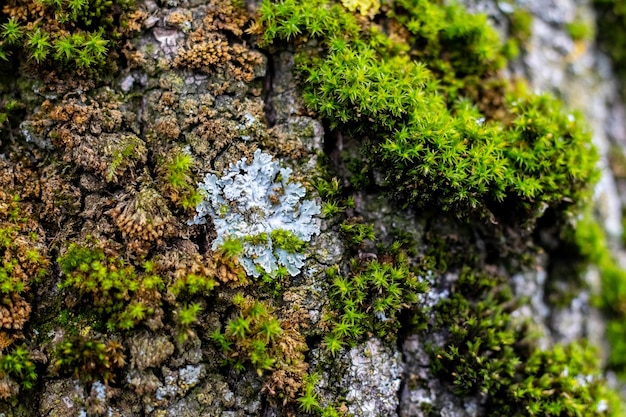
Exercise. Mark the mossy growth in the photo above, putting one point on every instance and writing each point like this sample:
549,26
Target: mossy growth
488,352
432,148
611,31
592,244
114,287
520,31
89,359
580,30
8,109
309,401
73,35
18,365
274,347
178,181
186,317
24,262
480,356
369,298
334,203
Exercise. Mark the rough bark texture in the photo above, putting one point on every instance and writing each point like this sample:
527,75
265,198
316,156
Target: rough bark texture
98,192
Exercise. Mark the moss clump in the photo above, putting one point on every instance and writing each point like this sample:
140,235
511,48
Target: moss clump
580,30
24,262
592,244
561,381
18,365
480,356
89,359
73,36
520,30
488,352
255,335
114,287
369,298
432,149
612,31
178,182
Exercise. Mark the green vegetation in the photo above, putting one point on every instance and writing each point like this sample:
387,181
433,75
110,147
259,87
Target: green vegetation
480,355
612,31
22,261
592,244
8,109
192,284
186,317
309,401
488,352
368,300
580,30
252,335
74,35
520,30
179,183
89,359
18,365
356,232
231,248
111,284
433,148
287,241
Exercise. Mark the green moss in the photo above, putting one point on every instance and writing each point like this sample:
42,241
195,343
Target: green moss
369,299
480,355
580,30
611,31
253,333
592,244
89,359
432,149
178,179
74,36
113,286
561,381
489,353
255,336
287,241
192,284
520,26
186,317
18,365
356,233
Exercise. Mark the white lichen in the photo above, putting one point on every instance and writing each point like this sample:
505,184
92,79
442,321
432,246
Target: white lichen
252,200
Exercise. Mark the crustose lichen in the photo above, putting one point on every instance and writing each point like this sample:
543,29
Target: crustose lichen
258,204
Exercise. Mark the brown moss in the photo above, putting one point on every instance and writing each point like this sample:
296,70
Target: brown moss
180,19
14,312
207,48
224,15
93,134
228,270
23,253
8,388
143,217
58,195
167,127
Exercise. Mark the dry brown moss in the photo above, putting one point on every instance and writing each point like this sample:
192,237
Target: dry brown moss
143,215
208,48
